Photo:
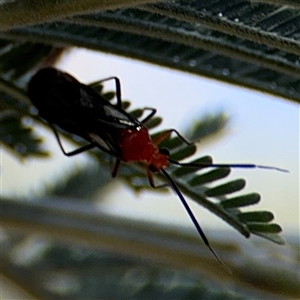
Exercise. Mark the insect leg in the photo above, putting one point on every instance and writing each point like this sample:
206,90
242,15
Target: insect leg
152,113
116,168
151,180
167,134
118,88
188,210
74,152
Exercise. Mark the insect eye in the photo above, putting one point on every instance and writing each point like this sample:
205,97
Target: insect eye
152,168
164,151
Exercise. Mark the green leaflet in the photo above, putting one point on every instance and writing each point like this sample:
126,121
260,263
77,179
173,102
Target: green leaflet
256,216
154,122
227,188
184,171
240,201
209,176
184,152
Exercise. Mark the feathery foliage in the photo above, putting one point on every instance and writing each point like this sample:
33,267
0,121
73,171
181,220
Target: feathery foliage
253,44
249,43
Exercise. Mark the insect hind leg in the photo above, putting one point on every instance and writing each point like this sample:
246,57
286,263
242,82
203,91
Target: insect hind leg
74,152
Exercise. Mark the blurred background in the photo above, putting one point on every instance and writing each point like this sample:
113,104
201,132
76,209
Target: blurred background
70,231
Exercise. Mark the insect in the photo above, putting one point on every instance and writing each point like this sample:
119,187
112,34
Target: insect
76,108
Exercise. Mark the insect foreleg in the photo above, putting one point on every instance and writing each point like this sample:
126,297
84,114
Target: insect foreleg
151,180
74,152
116,168
118,88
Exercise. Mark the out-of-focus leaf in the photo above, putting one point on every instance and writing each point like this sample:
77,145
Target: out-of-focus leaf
251,44
184,153
210,176
207,126
227,188
19,138
188,170
263,227
241,201
256,216
154,122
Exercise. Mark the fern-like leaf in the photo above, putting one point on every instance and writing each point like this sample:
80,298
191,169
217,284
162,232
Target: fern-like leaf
245,46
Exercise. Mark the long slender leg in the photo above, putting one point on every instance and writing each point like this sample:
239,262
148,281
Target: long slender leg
118,88
167,134
152,113
74,152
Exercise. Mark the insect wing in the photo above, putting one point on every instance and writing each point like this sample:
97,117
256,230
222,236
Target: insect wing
78,109
103,112
53,93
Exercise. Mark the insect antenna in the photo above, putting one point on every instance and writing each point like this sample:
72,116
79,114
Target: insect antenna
194,220
208,165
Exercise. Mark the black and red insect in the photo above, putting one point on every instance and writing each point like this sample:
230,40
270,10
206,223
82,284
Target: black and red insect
77,108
